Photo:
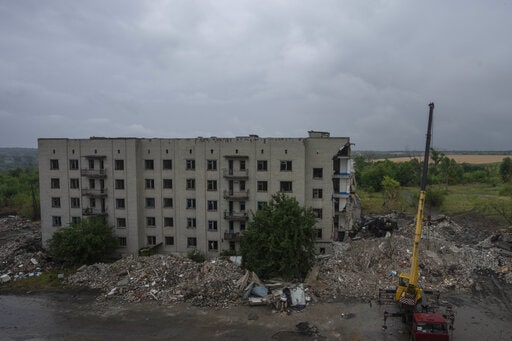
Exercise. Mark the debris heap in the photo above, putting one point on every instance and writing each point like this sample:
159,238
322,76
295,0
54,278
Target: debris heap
166,279
360,267
21,253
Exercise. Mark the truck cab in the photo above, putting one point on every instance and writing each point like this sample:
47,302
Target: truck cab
429,327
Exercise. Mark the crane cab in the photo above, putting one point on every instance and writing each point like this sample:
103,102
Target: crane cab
407,293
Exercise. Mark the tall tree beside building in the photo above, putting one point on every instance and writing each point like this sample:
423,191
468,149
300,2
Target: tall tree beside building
280,240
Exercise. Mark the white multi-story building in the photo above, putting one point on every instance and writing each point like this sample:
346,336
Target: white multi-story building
176,195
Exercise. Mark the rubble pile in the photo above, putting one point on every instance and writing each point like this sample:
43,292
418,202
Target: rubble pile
452,257
360,267
166,279
21,253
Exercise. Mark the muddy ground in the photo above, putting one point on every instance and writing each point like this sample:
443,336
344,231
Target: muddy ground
78,316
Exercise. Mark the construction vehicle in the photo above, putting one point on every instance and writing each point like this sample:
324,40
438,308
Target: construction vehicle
415,309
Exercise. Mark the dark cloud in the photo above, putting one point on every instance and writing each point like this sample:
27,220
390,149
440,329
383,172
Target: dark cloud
223,68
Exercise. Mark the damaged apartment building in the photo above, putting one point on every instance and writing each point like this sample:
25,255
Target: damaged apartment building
178,194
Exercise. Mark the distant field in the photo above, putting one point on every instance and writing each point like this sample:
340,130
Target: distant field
473,159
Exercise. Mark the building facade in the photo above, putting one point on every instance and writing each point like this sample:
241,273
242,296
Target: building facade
176,195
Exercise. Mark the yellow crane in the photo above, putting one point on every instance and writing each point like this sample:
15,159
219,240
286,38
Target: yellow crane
408,293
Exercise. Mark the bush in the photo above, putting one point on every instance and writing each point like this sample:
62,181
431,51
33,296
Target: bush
435,197
196,256
87,242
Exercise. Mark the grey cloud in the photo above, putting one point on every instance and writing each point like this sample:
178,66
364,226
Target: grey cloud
200,68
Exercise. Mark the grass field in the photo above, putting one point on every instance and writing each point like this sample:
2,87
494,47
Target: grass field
459,158
459,199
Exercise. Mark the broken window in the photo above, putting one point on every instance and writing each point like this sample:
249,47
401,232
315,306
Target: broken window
74,183
168,222
55,183
317,212
73,164
286,166
191,223
167,183
191,184
75,220
122,241
212,225
167,202
149,164
262,186
318,173
211,185
56,221
120,203
319,233
75,202
191,242
150,183
119,164
190,164
191,203
150,221
169,240
56,202
211,165
92,184
54,164
167,164
213,245
317,193
151,240
121,222
262,165
261,204
212,205
150,202
119,184
91,164
285,186
92,202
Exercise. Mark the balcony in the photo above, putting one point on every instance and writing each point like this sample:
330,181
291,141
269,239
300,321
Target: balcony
341,175
232,236
94,173
341,195
230,194
90,211
236,215
236,174
90,192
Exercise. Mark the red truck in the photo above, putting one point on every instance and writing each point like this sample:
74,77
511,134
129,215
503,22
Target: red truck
429,327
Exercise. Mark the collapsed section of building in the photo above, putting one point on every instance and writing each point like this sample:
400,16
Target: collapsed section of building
179,194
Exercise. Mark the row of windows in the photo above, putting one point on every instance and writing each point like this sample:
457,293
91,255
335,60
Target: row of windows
213,245
211,185
190,164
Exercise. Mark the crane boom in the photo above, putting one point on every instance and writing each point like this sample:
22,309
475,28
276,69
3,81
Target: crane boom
408,292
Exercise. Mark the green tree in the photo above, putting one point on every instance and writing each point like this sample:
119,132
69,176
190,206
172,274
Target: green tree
87,242
506,169
280,240
391,189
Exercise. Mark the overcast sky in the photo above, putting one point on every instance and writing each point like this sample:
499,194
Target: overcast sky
363,69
